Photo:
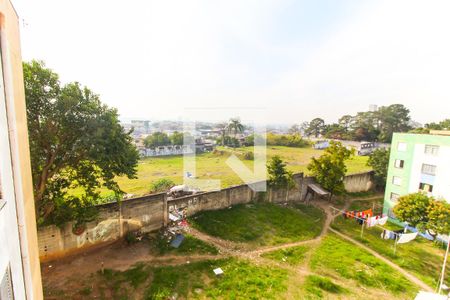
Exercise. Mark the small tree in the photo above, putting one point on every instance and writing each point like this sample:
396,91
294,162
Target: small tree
235,126
379,161
329,169
424,212
157,139
180,138
279,176
161,185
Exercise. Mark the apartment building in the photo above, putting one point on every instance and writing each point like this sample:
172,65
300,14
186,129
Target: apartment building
418,162
19,261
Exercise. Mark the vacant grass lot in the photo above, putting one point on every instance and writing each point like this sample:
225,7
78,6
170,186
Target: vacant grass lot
292,256
213,166
338,258
422,257
340,271
261,223
241,280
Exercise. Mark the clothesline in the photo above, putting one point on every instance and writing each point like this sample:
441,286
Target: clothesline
363,219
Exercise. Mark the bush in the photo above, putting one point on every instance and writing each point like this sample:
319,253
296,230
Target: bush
130,237
161,185
249,155
288,140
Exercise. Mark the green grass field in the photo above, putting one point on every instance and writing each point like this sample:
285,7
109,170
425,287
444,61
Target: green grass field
213,166
292,256
241,280
336,257
261,223
330,268
422,257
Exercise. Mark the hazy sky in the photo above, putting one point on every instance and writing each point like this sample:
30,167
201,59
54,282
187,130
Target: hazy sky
277,61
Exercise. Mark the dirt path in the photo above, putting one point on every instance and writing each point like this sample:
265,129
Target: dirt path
121,257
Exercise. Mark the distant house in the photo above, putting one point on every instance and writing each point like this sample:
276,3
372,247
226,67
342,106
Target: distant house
202,145
166,150
319,145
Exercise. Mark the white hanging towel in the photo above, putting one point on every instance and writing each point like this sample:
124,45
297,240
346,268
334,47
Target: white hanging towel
372,221
406,237
382,221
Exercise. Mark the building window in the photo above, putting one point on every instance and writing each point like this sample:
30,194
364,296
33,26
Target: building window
397,180
428,169
401,146
391,214
399,163
426,187
431,149
394,197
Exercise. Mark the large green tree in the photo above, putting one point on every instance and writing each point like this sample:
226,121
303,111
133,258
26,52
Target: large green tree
379,161
329,169
392,118
315,127
424,212
76,142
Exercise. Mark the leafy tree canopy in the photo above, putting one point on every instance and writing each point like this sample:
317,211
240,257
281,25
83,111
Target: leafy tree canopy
315,127
379,161
157,139
329,169
424,212
279,176
161,185
235,126
180,138
75,141
366,126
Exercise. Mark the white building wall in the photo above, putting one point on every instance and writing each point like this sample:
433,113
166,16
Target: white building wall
10,253
441,186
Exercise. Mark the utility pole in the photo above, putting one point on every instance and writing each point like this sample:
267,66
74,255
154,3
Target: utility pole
441,283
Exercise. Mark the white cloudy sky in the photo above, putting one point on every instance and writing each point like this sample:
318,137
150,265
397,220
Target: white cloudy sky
276,61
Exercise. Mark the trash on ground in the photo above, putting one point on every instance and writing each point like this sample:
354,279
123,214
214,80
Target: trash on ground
218,271
176,242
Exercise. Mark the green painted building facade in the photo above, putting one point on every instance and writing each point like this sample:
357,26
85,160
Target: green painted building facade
418,162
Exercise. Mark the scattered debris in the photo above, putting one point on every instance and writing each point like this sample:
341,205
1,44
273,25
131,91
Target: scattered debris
173,218
218,271
176,242
178,226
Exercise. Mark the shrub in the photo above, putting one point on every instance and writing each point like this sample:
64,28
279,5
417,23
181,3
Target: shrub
130,237
288,140
161,185
249,155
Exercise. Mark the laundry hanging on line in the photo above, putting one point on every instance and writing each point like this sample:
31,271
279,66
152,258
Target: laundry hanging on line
358,214
388,235
407,237
376,220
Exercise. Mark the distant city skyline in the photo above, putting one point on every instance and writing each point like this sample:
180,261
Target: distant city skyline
272,62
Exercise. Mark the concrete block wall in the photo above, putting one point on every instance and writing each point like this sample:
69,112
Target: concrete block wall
150,213
360,182
114,220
